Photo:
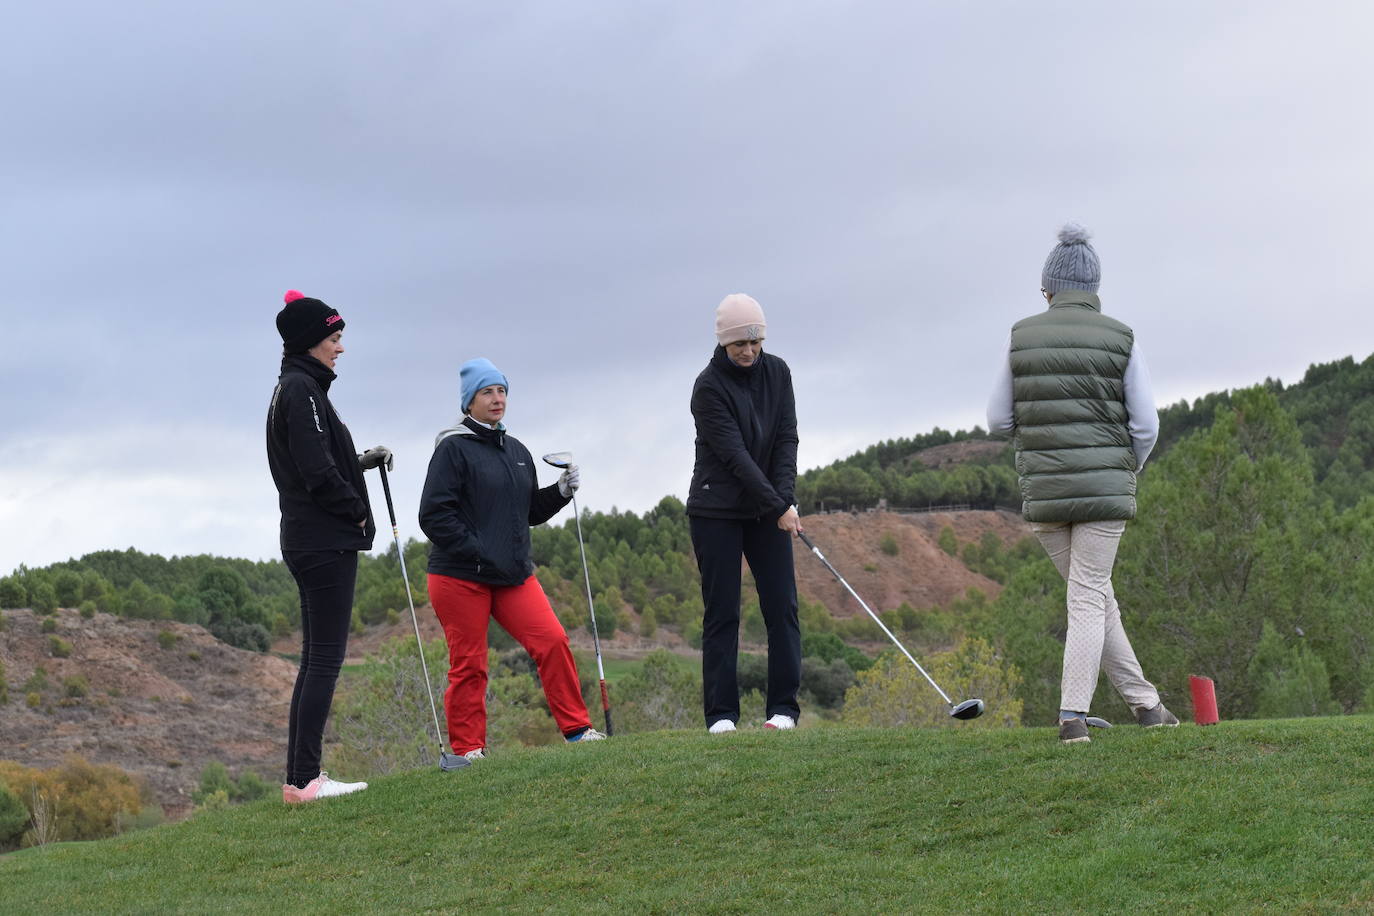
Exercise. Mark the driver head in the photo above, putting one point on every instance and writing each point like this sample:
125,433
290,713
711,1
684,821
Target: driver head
449,761
969,709
558,459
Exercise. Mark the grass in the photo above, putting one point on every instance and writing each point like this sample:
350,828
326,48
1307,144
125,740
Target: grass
1240,817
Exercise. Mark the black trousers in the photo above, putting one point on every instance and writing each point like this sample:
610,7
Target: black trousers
718,544
325,579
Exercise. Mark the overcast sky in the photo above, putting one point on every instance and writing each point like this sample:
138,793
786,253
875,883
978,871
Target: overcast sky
570,188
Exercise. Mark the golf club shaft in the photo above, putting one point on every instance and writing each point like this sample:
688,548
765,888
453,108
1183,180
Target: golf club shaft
876,619
591,610
405,577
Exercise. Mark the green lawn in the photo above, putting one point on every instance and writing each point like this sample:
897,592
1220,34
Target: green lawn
1241,817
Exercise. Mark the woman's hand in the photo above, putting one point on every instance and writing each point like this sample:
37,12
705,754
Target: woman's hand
375,456
790,521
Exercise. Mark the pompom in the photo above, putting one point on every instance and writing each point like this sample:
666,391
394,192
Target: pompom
1073,233
292,295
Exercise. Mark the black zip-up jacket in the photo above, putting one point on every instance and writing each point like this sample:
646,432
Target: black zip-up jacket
319,482
481,496
746,419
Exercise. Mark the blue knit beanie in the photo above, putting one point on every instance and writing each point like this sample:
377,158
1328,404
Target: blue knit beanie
477,374
1072,264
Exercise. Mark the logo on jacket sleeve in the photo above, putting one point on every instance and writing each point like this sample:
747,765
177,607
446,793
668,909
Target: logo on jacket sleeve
316,411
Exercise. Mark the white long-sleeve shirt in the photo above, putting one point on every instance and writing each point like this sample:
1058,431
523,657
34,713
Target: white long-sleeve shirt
1142,415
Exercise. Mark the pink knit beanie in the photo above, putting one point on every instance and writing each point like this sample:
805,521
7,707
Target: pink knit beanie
739,317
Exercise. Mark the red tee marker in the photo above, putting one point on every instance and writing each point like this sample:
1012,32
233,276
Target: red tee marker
1204,700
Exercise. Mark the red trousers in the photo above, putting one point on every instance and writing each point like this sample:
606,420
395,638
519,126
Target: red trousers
523,611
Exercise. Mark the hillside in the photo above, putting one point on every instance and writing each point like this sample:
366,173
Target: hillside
920,574
942,821
160,713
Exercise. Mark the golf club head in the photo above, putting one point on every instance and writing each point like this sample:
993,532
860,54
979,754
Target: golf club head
1095,722
558,459
969,709
449,761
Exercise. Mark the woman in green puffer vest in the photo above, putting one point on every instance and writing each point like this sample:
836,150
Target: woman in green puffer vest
1074,393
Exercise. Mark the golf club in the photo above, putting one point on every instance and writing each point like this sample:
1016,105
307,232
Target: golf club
447,760
564,460
969,709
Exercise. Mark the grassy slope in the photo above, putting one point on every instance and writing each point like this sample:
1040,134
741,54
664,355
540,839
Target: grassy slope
1237,817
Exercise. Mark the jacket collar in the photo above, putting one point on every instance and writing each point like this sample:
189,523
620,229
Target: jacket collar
1076,298
304,362
467,426
721,360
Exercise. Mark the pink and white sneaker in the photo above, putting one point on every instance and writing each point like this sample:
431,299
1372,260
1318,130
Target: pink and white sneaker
319,787
780,722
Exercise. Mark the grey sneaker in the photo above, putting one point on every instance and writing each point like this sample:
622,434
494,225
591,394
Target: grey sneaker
1156,717
1073,731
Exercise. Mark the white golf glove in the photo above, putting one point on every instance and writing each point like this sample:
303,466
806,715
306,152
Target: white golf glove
568,482
377,455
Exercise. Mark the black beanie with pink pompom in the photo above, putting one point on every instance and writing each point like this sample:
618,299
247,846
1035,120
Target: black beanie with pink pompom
305,322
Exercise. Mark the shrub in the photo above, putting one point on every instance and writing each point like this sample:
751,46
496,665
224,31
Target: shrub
49,625
13,594
33,699
37,681
78,800
88,610
14,819
59,647
661,694
893,694
193,656
166,639
826,682
948,542
76,686
888,545
253,636
43,598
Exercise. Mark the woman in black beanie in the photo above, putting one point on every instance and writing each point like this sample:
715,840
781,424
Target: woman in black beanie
325,521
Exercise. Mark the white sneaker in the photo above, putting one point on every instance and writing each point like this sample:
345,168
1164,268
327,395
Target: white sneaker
590,734
781,722
476,755
721,726
320,787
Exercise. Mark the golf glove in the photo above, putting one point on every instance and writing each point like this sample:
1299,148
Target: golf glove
568,482
377,455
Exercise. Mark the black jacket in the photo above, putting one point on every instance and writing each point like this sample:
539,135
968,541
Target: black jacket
746,419
319,482
481,497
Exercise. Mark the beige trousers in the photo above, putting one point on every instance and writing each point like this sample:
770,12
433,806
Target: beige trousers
1084,553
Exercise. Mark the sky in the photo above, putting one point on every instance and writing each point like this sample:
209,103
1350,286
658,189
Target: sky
569,190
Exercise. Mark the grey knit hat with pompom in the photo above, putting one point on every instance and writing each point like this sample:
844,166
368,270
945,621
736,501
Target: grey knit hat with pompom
1072,264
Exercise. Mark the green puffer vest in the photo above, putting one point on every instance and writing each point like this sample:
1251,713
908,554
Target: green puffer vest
1073,442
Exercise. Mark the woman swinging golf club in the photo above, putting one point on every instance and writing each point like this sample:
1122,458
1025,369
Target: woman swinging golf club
325,521
740,502
481,496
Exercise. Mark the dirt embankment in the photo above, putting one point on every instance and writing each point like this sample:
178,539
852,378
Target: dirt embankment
159,712
951,454
920,573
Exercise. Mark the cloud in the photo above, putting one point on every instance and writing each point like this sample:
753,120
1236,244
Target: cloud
570,194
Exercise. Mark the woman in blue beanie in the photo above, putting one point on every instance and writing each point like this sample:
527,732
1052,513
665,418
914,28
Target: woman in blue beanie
481,496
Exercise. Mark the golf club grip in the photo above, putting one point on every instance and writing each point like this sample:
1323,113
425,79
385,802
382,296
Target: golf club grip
386,488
